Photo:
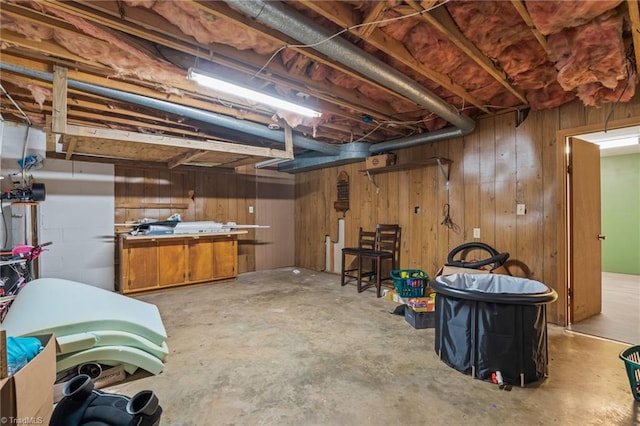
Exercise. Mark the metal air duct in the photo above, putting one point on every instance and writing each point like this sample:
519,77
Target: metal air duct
290,22
189,112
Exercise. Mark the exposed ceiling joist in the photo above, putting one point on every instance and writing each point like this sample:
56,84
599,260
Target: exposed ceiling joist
209,145
524,13
185,158
394,74
341,14
441,20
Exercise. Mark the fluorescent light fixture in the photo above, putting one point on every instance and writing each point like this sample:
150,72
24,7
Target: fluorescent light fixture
617,143
253,95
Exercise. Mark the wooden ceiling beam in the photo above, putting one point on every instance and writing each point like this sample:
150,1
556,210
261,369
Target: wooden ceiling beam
124,86
327,93
148,21
341,14
440,19
524,14
367,22
209,145
221,10
185,158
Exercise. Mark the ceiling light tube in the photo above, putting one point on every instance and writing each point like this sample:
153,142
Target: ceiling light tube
617,143
253,95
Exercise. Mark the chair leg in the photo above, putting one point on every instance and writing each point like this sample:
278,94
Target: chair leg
342,277
360,289
378,276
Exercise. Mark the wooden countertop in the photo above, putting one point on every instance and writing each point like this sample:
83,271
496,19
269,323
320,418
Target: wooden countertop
176,236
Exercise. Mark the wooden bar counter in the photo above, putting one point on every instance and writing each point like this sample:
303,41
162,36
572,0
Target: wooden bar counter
153,262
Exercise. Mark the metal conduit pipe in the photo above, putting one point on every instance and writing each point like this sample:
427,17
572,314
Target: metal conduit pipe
288,21
255,129
409,141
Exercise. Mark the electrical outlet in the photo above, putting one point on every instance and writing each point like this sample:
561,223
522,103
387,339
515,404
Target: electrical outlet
250,209
476,232
521,209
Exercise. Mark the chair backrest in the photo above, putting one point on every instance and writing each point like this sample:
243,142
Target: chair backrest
367,239
388,239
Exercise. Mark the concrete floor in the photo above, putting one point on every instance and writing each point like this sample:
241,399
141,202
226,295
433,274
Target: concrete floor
280,348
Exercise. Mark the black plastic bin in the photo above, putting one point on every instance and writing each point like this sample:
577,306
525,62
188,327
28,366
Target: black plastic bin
487,323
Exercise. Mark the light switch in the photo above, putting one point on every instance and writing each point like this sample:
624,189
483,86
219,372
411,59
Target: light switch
250,209
520,209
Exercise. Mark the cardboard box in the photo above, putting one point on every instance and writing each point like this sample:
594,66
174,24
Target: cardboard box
109,376
27,396
448,270
382,160
420,319
393,296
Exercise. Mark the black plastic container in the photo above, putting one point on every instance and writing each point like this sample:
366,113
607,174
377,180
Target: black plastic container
487,323
419,319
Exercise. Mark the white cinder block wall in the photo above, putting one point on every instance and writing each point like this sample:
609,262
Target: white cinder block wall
77,215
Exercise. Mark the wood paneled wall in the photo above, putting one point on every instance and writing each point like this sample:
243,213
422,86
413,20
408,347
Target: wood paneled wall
195,195
496,167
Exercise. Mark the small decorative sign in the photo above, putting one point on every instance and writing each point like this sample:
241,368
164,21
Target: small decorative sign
342,203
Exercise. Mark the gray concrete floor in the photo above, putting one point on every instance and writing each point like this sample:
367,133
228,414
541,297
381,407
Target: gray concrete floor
280,348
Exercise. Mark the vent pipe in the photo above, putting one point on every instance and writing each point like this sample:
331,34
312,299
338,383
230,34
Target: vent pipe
244,126
292,23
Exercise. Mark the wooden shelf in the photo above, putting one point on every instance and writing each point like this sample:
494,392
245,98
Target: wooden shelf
431,161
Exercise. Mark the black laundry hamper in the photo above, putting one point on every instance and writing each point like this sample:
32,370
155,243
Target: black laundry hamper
490,323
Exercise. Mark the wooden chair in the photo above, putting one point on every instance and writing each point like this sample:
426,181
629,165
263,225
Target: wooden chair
387,248
366,243
374,247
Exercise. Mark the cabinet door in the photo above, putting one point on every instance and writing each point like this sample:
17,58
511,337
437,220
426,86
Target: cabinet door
140,262
171,262
225,258
200,260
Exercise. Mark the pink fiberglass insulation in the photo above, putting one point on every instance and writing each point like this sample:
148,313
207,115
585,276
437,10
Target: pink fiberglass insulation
552,16
206,28
536,78
591,53
550,96
491,25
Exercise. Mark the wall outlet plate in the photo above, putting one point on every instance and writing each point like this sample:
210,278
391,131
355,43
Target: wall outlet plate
476,232
521,209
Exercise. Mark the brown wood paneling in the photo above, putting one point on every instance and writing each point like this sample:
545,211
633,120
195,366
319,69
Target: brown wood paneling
208,195
275,205
506,182
495,168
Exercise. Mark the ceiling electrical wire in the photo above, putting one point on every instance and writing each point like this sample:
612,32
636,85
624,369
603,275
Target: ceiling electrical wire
344,30
629,68
26,117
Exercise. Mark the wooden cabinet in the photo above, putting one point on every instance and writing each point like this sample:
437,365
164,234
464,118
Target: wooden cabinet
160,261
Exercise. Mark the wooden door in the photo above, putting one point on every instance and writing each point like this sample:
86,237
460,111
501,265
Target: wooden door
585,292
140,264
225,258
171,262
200,260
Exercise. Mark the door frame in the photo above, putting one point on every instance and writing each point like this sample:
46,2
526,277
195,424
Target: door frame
562,186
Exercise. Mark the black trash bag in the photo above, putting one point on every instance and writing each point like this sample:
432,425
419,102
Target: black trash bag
83,405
